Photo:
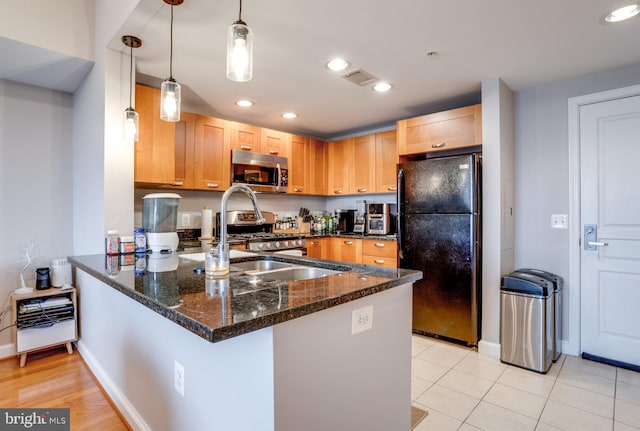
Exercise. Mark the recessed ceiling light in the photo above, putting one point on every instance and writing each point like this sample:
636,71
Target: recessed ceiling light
337,64
382,87
623,13
244,103
289,115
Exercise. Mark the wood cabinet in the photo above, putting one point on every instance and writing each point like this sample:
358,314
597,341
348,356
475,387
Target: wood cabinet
184,146
44,318
318,166
345,250
299,175
212,163
386,162
154,152
364,166
456,128
245,137
318,248
380,253
340,167
274,142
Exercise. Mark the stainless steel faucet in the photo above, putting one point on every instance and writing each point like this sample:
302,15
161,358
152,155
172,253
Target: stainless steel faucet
223,209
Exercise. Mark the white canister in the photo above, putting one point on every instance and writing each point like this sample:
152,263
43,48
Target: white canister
60,272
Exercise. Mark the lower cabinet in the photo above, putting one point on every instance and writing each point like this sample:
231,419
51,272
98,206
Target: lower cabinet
318,248
380,253
354,250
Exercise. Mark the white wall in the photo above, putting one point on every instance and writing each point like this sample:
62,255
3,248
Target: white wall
35,183
542,171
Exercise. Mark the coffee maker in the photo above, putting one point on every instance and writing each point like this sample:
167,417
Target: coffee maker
160,221
346,220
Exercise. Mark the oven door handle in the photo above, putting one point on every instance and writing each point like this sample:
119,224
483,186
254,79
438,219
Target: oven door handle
279,178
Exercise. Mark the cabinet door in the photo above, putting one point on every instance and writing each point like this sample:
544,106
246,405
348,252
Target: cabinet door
274,142
340,169
317,248
245,137
154,151
184,147
441,131
386,162
350,250
317,167
364,150
299,165
212,155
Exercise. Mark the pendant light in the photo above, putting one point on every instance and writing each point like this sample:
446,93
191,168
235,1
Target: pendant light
130,114
239,50
170,90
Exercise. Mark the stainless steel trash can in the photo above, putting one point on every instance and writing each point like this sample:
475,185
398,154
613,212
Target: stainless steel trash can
558,284
526,321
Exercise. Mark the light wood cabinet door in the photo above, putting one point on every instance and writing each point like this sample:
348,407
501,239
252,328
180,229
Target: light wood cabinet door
154,151
245,137
364,150
380,253
456,128
386,162
350,250
299,165
317,167
212,155
318,248
184,147
274,142
340,172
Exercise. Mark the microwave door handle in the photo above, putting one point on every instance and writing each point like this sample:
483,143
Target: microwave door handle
399,197
279,177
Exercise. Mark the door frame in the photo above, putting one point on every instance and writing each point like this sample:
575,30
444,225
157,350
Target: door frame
572,345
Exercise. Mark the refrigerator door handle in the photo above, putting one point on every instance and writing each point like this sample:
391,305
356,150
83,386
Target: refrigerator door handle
399,197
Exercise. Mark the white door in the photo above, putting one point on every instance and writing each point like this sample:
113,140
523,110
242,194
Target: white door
610,205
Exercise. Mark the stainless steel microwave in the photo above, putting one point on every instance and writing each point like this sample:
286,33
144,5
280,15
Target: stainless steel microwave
261,172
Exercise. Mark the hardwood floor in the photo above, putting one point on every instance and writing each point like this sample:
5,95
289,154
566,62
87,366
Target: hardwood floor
55,379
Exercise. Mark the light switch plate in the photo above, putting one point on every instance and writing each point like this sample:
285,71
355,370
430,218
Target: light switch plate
559,221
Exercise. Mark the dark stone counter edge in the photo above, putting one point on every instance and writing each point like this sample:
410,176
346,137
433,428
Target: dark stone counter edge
240,328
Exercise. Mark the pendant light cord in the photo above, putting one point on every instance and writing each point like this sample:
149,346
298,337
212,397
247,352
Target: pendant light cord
130,75
240,12
171,46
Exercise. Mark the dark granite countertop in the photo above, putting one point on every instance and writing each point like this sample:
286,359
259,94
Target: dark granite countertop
354,236
218,309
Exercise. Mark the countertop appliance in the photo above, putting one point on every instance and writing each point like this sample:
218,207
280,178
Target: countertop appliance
160,220
439,234
242,226
346,220
261,172
380,218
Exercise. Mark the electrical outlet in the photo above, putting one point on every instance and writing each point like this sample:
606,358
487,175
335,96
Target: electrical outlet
186,220
361,319
178,377
559,221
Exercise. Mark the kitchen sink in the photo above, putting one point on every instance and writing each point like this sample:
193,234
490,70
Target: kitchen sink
296,273
254,266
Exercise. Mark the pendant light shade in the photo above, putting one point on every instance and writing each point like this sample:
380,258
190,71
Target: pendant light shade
170,94
240,51
130,114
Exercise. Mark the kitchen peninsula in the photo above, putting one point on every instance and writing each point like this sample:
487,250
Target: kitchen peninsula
175,350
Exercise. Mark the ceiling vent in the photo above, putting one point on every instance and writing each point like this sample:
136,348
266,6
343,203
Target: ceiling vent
360,77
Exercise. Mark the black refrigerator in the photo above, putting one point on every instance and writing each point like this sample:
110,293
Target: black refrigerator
439,233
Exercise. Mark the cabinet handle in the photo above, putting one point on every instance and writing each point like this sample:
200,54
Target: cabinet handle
338,192
177,183
348,242
297,190
245,147
379,244
213,185
381,261
273,151
392,189
315,243
438,145
363,190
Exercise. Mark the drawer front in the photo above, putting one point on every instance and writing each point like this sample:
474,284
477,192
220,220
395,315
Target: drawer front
379,248
43,336
389,262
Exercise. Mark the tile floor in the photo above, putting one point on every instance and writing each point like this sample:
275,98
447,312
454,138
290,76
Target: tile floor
463,390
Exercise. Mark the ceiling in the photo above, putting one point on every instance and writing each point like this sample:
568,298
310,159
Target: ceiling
525,43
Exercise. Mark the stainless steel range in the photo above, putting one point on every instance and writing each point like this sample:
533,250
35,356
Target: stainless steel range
242,226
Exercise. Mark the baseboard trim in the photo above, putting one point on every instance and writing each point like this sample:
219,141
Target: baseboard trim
489,349
119,399
7,350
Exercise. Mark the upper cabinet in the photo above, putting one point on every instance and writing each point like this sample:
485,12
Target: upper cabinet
386,162
456,128
184,146
340,167
318,167
154,151
299,165
364,156
245,137
274,143
212,161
